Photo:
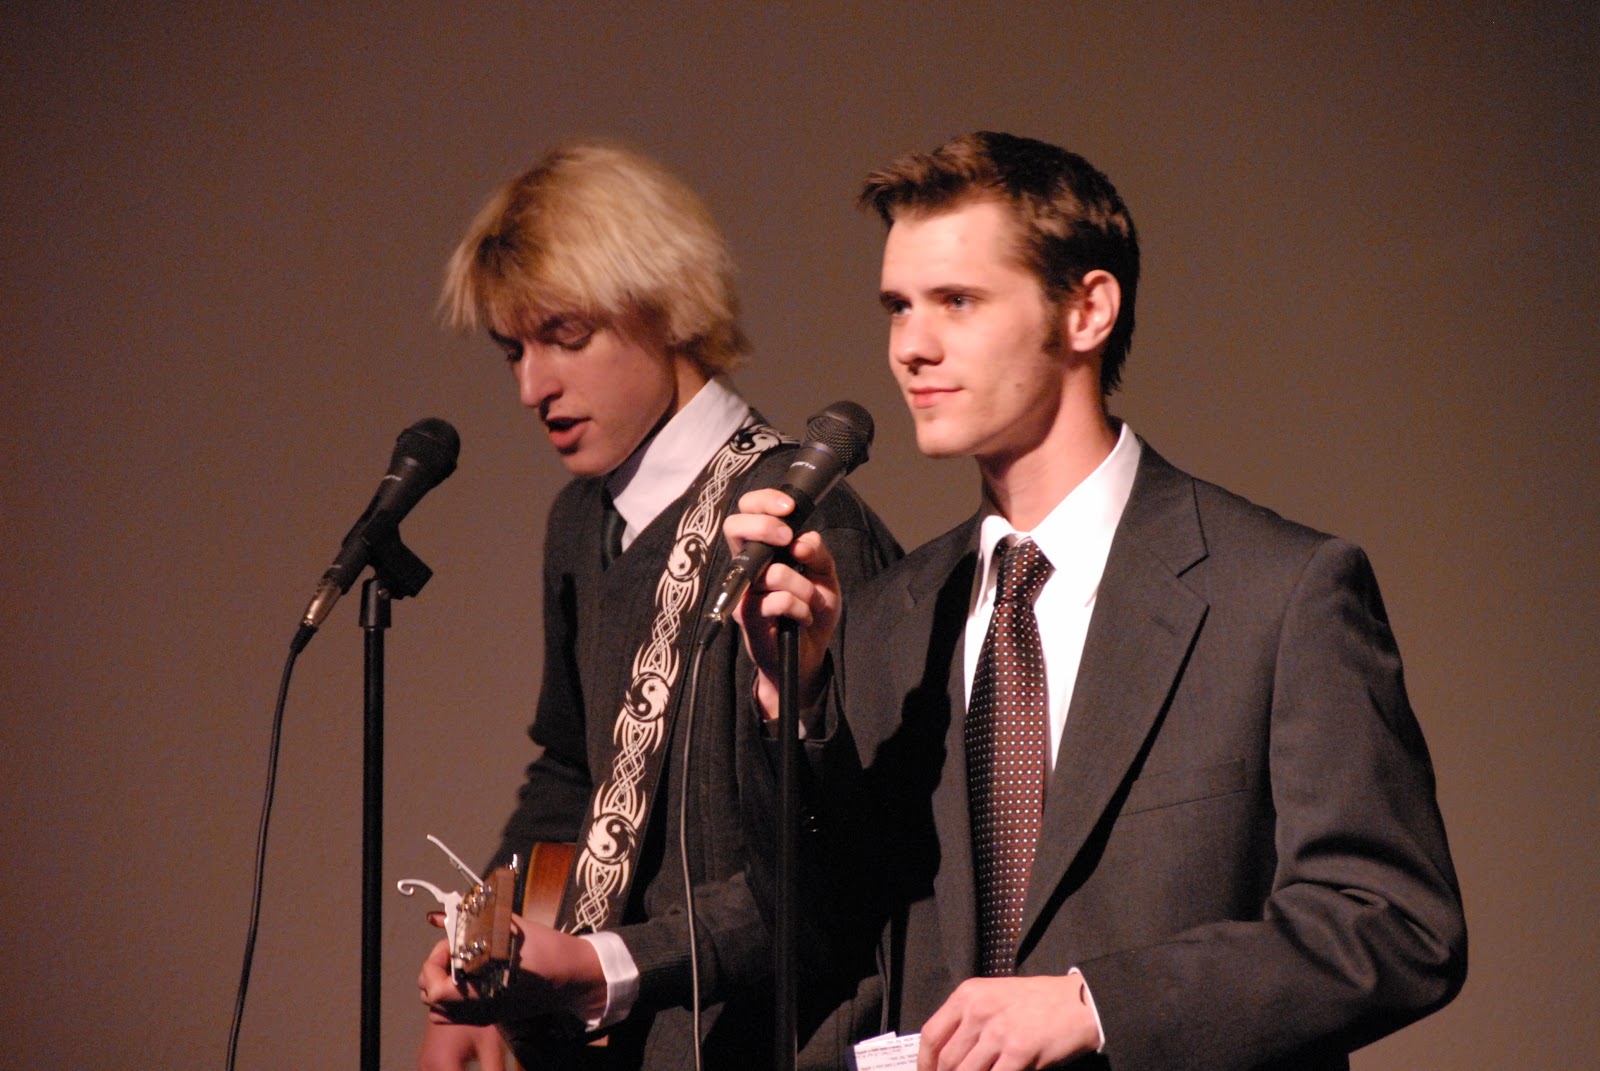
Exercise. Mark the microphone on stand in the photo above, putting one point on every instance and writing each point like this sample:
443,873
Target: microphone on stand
836,443
424,455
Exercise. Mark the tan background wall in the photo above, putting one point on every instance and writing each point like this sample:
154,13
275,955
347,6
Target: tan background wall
1370,303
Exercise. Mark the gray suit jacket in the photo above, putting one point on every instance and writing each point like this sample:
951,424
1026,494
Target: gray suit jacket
1241,847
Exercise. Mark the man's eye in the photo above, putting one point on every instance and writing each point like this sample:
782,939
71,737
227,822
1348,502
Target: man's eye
959,301
570,335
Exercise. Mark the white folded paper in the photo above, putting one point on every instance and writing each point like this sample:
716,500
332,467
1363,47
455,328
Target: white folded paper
887,1052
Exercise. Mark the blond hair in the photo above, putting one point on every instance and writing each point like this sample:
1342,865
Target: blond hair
600,231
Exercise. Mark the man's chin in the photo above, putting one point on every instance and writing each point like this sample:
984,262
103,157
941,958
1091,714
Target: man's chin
940,447
582,465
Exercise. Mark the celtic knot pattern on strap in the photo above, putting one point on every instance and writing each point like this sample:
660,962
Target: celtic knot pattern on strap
1005,734
608,850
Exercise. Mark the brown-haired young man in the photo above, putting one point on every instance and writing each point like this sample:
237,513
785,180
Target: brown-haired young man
604,280
1130,759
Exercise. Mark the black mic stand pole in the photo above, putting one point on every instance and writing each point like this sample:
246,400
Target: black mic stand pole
784,940
397,574
374,620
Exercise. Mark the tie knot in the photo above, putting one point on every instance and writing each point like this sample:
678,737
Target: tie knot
1023,568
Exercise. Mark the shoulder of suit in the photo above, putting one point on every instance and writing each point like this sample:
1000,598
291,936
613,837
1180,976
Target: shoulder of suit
936,558
1220,508
1250,547
1224,513
1189,523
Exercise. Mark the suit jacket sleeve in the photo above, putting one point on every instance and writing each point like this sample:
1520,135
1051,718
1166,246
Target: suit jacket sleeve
1362,931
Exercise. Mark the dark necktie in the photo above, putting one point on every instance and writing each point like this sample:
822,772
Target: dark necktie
611,526
1006,732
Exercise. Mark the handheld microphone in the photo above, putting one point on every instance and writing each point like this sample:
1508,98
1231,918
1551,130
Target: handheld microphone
836,443
424,454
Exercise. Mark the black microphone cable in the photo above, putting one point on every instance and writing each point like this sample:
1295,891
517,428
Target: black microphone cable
261,858
691,701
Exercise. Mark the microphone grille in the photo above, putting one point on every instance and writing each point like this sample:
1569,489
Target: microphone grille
845,429
432,443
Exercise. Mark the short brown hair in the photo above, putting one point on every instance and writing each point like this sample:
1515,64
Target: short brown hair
602,231
1070,218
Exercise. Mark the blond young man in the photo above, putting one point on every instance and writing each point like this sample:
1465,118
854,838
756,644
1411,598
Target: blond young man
603,279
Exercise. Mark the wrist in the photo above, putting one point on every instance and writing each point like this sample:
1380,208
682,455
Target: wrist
619,987
1097,1039
589,990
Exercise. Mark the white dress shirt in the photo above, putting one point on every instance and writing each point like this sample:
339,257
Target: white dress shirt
661,470
1076,537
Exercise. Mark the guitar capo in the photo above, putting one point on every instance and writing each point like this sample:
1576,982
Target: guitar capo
456,907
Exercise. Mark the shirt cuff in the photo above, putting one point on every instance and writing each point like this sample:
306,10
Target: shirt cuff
622,978
1099,1027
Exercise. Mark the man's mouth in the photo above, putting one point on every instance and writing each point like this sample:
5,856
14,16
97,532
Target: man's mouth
564,431
924,397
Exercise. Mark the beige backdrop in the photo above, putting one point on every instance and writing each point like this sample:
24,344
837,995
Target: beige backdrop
1369,302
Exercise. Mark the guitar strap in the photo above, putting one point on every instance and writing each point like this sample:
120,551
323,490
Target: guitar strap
613,832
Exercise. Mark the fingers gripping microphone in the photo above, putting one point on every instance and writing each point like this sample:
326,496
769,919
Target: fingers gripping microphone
424,454
836,442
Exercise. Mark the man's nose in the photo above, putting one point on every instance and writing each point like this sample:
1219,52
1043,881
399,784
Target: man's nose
912,341
536,385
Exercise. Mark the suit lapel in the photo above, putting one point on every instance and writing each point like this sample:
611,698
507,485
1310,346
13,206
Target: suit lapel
953,887
1144,623
928,643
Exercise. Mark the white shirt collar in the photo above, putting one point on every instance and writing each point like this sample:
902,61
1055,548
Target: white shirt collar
664,466
1076,534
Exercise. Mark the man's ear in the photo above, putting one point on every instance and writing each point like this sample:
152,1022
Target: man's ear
1091,314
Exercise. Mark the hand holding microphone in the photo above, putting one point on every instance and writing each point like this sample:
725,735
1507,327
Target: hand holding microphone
837,440
806,588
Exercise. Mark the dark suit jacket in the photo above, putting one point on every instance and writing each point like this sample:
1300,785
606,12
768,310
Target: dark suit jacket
1241,847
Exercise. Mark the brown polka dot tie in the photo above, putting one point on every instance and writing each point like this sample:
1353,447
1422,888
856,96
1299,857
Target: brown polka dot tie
1006,732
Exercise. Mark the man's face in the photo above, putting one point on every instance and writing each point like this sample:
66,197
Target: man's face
970,335
599,390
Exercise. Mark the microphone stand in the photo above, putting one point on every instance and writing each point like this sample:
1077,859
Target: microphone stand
785,984
374,620
397,573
